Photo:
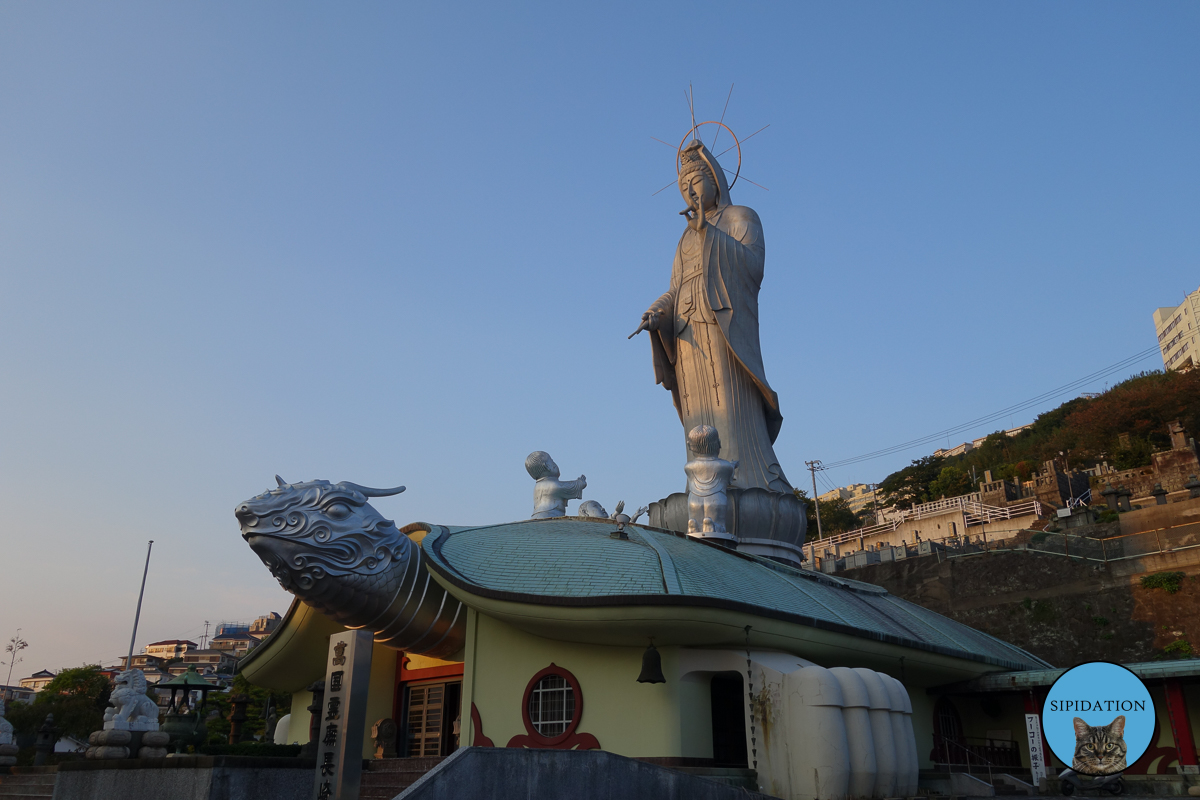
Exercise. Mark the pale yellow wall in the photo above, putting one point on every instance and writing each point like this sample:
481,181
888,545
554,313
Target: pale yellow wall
627,717
922,720
380,696
298,728
695,715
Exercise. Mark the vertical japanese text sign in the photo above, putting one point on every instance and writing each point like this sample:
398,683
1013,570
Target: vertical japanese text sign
344,718
1037,752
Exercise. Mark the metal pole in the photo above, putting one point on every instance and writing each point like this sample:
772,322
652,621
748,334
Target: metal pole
138,615
813,466
875,501
12,661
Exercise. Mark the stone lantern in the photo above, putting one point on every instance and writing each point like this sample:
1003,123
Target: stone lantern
186,725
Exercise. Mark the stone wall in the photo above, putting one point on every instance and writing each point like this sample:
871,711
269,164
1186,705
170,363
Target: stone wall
1171,468
186,778
519,773
1059,609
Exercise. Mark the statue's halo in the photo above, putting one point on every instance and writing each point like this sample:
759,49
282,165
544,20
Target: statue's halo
736,143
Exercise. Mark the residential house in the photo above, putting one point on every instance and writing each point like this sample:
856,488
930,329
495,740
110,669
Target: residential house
206,662
237,644
169,649
265,625
38,680
145,662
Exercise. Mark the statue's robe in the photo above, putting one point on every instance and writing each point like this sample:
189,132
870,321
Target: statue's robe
706,348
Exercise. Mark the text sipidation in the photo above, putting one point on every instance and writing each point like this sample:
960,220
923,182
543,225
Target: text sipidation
1097,705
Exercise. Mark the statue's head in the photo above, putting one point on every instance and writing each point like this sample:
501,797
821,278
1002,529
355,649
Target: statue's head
540,465
701,179
590,508
131,680
703,440
305,531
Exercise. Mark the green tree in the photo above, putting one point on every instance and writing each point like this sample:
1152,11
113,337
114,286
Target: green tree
910,486
836,516
950,482
76,697
255,724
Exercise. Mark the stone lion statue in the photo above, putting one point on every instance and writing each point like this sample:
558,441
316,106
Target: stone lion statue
6,728
131,709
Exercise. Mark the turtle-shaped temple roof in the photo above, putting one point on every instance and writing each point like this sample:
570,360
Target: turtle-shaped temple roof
581,581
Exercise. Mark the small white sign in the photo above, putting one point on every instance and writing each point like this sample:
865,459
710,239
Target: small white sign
1037,750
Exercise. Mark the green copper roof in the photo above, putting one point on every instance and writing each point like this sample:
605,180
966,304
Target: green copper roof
574,561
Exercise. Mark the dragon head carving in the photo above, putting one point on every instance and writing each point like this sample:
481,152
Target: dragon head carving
307,531
325,544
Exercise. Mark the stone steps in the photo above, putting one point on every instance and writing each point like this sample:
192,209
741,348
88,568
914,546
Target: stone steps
385,778
20,787
730,776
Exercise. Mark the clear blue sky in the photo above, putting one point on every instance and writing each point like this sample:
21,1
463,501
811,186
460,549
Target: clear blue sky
404,243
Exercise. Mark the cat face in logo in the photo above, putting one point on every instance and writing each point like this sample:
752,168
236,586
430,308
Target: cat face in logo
1099,750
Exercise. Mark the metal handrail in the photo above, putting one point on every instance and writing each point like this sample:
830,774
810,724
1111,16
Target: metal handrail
974,513
967,750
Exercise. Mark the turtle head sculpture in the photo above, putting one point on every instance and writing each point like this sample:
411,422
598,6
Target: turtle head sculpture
329,547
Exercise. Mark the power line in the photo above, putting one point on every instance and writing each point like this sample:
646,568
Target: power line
1004,412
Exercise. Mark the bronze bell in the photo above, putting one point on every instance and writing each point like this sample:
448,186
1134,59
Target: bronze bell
651,666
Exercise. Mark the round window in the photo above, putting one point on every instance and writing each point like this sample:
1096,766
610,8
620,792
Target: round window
551,705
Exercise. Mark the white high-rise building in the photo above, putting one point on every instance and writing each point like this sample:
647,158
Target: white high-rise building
1178,331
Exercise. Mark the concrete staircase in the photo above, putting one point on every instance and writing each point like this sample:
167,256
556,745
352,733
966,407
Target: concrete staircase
28,784
730,776
385,778
737,777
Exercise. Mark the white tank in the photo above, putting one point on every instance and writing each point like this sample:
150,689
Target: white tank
906,763
281,729
818,753
881,730
910,735
857,715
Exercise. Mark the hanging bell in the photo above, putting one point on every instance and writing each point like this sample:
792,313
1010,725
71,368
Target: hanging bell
651,666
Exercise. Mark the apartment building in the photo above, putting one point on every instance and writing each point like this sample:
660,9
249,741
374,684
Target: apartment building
1178,332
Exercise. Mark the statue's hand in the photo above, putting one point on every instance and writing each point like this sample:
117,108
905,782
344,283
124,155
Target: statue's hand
649,323
582,481
696,220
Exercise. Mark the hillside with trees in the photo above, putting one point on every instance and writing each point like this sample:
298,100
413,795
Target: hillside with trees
1122,426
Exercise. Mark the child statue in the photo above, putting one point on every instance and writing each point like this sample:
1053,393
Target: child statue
590,508
550,495
707,479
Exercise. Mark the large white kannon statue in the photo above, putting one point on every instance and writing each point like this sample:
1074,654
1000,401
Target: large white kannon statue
704,330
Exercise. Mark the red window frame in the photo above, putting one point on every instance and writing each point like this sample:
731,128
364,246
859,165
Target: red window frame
539,739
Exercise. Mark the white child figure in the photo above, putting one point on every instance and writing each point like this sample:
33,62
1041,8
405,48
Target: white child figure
707,479
550,495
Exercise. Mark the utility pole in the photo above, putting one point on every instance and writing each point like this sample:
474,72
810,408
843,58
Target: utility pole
875,501
138,614
204,638
813,466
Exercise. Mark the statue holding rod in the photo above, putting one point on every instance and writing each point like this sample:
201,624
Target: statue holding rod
704,329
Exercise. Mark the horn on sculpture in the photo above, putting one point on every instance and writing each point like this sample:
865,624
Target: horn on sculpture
369,492
280,481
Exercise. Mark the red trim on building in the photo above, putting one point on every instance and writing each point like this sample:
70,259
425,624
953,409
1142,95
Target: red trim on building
477,724
1181,726
404,674
568,739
